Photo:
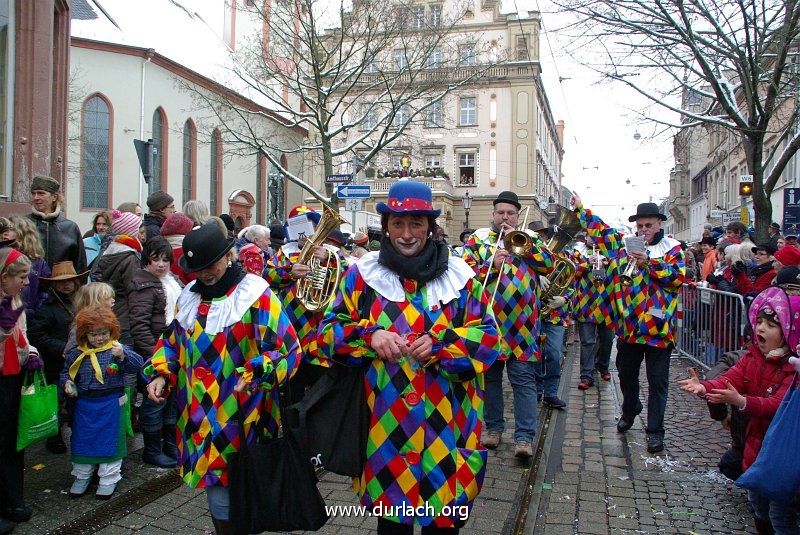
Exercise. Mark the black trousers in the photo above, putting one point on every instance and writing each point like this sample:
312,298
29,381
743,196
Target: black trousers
11,467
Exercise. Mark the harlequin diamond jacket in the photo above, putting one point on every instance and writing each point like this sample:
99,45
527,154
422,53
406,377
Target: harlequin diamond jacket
516,303
278,274
199,354
645,309
424,439
593,299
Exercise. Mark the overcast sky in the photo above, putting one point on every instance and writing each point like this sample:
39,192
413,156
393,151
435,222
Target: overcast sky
601,153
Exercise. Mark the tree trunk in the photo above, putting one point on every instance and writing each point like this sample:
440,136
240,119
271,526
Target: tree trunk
762,205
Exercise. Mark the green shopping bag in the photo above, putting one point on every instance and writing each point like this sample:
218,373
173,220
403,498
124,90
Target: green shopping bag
38,410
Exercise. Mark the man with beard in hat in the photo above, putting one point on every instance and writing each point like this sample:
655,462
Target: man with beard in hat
61,238
646,308
514,281
418,319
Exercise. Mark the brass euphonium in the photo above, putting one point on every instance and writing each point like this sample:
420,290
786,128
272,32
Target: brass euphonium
316,289
563,269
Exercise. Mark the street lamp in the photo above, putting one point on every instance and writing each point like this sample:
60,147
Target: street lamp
466,200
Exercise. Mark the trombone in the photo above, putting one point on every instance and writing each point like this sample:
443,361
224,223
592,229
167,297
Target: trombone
517,242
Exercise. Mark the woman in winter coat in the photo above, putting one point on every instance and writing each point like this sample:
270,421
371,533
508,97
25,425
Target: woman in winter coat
418,320
152,295
93,239
755,385
224,320
118,264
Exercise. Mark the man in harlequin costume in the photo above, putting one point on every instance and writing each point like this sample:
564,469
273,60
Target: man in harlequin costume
645,310
282,273
555,318
420,319
516,307
594,313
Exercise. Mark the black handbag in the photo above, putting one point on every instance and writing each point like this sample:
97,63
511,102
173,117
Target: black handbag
332,419
272,485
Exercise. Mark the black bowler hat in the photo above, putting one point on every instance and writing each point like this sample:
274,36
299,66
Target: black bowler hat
538,226
203,246
647,209
508,197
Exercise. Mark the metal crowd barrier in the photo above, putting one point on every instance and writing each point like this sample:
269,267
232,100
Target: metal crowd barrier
711,323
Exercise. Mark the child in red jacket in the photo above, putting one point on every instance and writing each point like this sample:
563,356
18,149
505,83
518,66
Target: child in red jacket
756,385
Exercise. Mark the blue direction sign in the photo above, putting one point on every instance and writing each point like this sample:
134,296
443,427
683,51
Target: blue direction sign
791,211
338,179
353,192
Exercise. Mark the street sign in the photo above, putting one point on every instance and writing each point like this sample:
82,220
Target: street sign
728,217
791,210
354,205
716,214
353,192
338,179
746,178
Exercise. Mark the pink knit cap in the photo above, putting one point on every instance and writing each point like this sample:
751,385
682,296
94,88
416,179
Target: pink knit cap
125,223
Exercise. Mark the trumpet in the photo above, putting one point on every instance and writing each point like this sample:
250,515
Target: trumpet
598,273
626,279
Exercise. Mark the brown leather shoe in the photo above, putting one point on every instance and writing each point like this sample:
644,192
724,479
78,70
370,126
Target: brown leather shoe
492,439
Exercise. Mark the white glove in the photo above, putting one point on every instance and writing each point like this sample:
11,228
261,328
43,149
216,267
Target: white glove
544,282
556,302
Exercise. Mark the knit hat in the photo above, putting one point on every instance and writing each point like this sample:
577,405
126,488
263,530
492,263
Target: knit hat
45,183
228,220
277,235
176,224
359,238
158,200
125,223
788,255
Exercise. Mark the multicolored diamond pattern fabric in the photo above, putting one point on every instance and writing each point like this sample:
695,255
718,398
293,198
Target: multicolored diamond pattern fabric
201,368
516,303
646,310
593,301
424,439
278,275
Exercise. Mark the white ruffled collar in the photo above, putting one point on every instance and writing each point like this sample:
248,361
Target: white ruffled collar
440,291
662,247
222,312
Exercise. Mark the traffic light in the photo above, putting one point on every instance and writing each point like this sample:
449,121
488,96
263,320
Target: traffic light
745,189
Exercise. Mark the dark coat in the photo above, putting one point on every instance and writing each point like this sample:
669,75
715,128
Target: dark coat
34,294
48,331
147,303
152,224
117,267
61,239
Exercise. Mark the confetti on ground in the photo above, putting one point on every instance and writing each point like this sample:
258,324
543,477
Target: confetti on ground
547,486
37,467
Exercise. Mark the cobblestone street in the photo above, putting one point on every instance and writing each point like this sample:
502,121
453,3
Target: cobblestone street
598,481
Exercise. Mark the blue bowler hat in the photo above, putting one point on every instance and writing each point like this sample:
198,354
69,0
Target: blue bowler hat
407,197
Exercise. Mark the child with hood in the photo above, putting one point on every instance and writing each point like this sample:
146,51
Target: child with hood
756,385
